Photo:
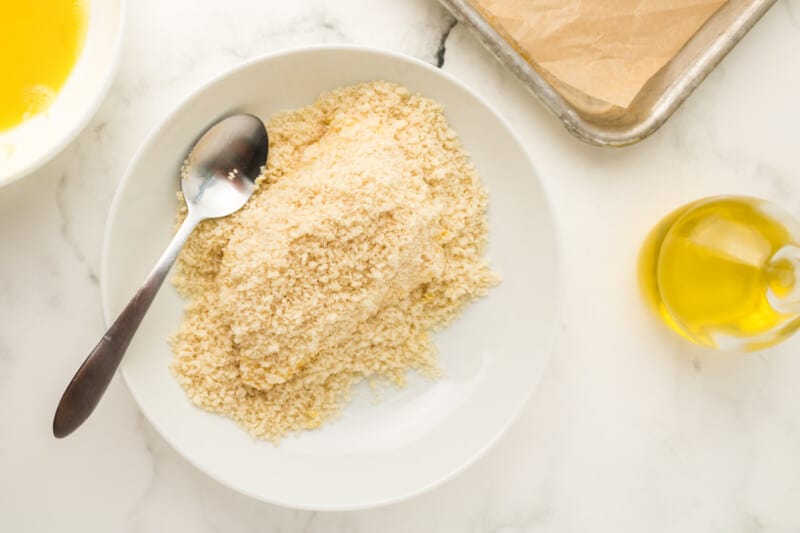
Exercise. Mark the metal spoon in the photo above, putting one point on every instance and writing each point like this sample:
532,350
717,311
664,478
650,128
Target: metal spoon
222,168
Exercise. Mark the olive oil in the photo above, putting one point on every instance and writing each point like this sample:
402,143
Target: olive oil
721,272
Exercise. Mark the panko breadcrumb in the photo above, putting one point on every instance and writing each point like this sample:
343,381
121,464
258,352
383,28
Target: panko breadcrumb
366,232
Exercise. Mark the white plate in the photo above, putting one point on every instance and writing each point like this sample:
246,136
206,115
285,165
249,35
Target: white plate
28,146
411,440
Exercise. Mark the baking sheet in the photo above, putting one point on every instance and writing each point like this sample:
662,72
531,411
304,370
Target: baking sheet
598,121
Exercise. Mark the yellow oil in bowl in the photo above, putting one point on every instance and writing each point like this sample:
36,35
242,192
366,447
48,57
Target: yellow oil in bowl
722,272
40,42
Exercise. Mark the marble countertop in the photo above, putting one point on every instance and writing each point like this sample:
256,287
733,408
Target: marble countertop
632,429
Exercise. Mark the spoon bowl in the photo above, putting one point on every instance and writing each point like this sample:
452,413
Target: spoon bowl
218,178
219,174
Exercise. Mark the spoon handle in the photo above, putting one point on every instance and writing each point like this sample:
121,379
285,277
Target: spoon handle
91,380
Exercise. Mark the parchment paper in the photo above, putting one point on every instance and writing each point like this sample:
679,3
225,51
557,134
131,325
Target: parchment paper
606,49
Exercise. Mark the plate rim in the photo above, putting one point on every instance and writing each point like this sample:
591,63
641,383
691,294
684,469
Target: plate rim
547,344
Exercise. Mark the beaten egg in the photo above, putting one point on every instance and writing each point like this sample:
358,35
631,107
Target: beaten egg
40,42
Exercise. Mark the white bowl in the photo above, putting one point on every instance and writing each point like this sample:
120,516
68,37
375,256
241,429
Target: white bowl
412,439
28,146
